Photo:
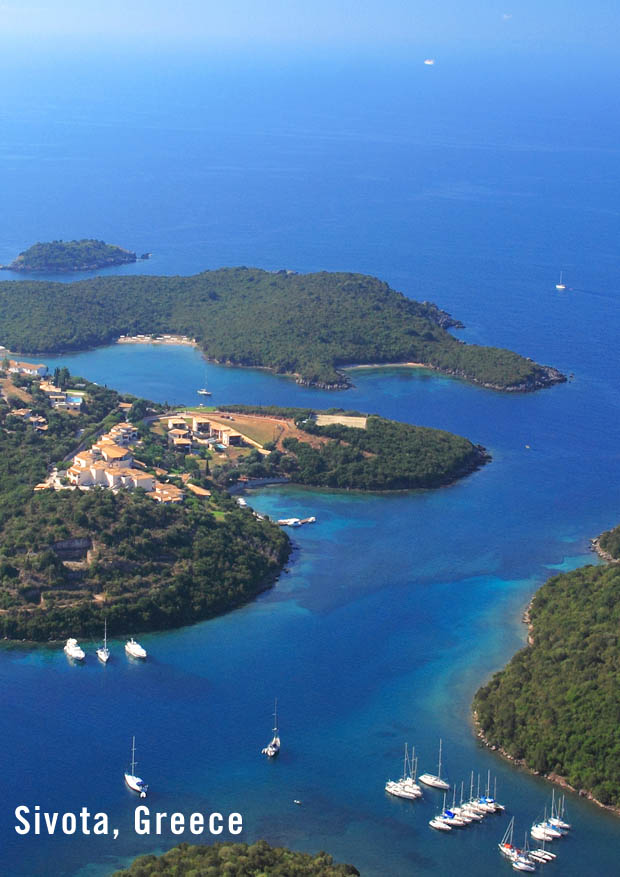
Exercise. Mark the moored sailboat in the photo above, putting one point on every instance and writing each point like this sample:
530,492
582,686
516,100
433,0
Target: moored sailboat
135,783
406,786
103,652
273,748
433,780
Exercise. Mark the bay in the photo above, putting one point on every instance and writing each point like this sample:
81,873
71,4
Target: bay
395,608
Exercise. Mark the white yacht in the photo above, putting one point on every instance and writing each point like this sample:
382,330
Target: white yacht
406,786
273,748
430,779
561,285
134,649
522,861
103,652
73,650
135,783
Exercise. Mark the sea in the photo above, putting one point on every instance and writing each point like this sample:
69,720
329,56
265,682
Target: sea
471,183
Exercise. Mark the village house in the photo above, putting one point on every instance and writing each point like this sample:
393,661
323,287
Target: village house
201,425
37,369
177,423
167,493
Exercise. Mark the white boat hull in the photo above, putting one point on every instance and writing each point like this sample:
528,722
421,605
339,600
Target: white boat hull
136,784
103,655
435,782
135,650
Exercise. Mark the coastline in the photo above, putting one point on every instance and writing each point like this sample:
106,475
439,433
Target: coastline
557,779
604,555
551,777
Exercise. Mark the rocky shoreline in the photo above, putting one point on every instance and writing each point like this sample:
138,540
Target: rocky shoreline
604,555
552,777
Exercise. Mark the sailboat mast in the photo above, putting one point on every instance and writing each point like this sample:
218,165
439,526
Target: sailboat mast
133,756
275,717
105,633
439,766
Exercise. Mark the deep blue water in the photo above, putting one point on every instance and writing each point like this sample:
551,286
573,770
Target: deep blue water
472,187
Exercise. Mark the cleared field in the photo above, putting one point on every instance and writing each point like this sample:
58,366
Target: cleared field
328,419
258,429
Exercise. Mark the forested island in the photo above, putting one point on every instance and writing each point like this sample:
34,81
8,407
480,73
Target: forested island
62,257
69,558
556,706
308,325
348,450
235,860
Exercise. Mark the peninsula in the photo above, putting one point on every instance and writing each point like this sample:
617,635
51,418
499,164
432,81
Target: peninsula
135,521
336,449
62,257
103,533
306,325
555,706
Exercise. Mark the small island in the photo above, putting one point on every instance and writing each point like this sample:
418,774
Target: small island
236,860
62,257
308,326
555,707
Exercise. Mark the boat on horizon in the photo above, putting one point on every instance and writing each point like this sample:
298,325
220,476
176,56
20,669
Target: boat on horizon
73,650
103,652
273,748
134,649
560,285
204,392
430,779
135,783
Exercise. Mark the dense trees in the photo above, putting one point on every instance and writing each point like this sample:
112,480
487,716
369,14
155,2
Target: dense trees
557,703
236,860
610,542
71,558
386,455
64,256
305,324
68,558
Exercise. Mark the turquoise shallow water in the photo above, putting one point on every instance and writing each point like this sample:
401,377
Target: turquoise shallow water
394,608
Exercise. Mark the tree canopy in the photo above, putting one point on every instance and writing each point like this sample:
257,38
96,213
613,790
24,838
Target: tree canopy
235,860
556,705
310,325
64,256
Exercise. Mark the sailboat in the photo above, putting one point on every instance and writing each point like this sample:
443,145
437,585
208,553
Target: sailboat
103,652
430,779
134,782
438,821
522,861
561,285
204,392
272,749
406,786
506,846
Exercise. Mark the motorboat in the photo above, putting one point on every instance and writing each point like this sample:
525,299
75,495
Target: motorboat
72,650
134,649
